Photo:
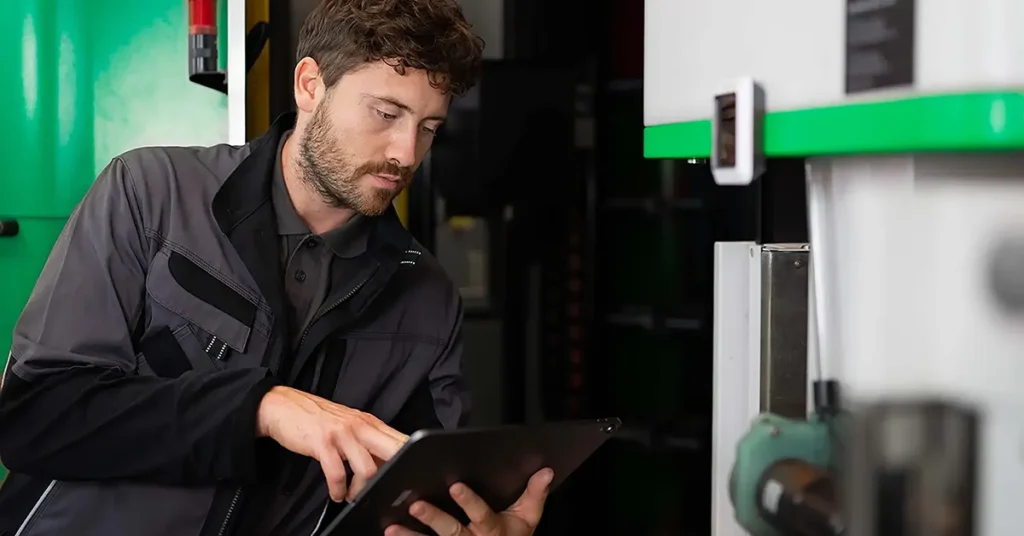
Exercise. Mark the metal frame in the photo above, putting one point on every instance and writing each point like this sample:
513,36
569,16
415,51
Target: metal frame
737,368
784,300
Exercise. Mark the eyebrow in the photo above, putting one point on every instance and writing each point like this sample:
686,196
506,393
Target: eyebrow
400,105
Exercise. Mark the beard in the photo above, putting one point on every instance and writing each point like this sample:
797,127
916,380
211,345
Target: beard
335,175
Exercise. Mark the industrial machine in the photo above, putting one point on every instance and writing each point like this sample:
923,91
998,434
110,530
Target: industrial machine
868,383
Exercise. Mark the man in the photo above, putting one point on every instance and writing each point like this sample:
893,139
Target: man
205,307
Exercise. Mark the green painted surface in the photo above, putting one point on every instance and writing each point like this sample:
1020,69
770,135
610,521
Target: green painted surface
961,122
85,81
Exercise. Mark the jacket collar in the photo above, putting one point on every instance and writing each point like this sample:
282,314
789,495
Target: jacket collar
249,188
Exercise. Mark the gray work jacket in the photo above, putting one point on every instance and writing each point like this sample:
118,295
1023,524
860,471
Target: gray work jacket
129,402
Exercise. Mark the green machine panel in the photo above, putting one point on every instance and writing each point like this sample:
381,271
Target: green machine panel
85,80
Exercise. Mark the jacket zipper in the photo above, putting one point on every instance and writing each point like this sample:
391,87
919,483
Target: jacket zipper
334,305
302,341
215,353
231,510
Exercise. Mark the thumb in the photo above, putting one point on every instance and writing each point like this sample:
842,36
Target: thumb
530,505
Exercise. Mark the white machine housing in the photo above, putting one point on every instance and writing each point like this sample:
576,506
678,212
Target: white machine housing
796,50
908,306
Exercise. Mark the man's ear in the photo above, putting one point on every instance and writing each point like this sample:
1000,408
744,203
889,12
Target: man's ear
309,85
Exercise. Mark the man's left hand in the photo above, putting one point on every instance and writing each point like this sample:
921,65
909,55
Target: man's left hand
520,519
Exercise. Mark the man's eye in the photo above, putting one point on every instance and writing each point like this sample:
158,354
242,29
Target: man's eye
386,116
429,130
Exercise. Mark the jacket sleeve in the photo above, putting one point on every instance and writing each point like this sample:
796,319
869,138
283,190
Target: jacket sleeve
72,406
442,400
447,385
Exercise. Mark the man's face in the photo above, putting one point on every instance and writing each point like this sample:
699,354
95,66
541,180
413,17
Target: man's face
368,135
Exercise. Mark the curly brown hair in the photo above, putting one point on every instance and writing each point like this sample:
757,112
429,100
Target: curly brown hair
432,35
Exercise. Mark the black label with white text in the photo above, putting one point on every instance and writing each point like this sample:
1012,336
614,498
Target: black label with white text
879,44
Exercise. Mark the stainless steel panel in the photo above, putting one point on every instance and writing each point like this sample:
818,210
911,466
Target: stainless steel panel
784,279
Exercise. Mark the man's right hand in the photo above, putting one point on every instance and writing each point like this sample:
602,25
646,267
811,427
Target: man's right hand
331,434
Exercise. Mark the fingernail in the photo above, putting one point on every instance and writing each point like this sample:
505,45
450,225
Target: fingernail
458,490
417,509
548,476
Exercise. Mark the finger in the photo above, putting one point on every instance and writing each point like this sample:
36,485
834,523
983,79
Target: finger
380,425
381,444
363,467
398,530
334,471
440,522
530,505
479,513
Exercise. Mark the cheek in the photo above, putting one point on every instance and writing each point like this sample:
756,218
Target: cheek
360,142
423,145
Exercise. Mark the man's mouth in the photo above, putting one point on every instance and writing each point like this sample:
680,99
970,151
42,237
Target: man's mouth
387,181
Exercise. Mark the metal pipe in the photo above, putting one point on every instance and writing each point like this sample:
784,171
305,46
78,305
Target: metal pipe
819,232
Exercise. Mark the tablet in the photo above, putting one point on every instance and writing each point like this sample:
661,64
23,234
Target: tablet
496,463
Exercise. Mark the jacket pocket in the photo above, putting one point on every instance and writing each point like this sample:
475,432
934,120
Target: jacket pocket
120,509
219,319
162,354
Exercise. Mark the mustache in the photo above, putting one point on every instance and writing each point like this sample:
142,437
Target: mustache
385,168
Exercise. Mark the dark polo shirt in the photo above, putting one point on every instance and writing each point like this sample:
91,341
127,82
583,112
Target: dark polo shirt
307,257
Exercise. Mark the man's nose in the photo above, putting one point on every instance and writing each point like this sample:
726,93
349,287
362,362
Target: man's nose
402,149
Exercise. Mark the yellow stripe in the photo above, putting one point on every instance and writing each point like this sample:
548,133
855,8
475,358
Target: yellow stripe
257,83
402,207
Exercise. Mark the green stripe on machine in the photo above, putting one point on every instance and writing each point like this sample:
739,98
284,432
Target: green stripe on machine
992,121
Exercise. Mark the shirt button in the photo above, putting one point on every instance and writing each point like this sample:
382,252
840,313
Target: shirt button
311,243
300,276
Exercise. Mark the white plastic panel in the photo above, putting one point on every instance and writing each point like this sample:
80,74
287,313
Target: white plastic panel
737,368
796,50
912,312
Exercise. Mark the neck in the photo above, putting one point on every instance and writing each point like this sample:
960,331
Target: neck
319,216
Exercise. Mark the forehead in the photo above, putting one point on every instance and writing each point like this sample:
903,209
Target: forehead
412,89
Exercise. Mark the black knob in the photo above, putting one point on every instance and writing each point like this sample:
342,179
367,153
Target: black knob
8,228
